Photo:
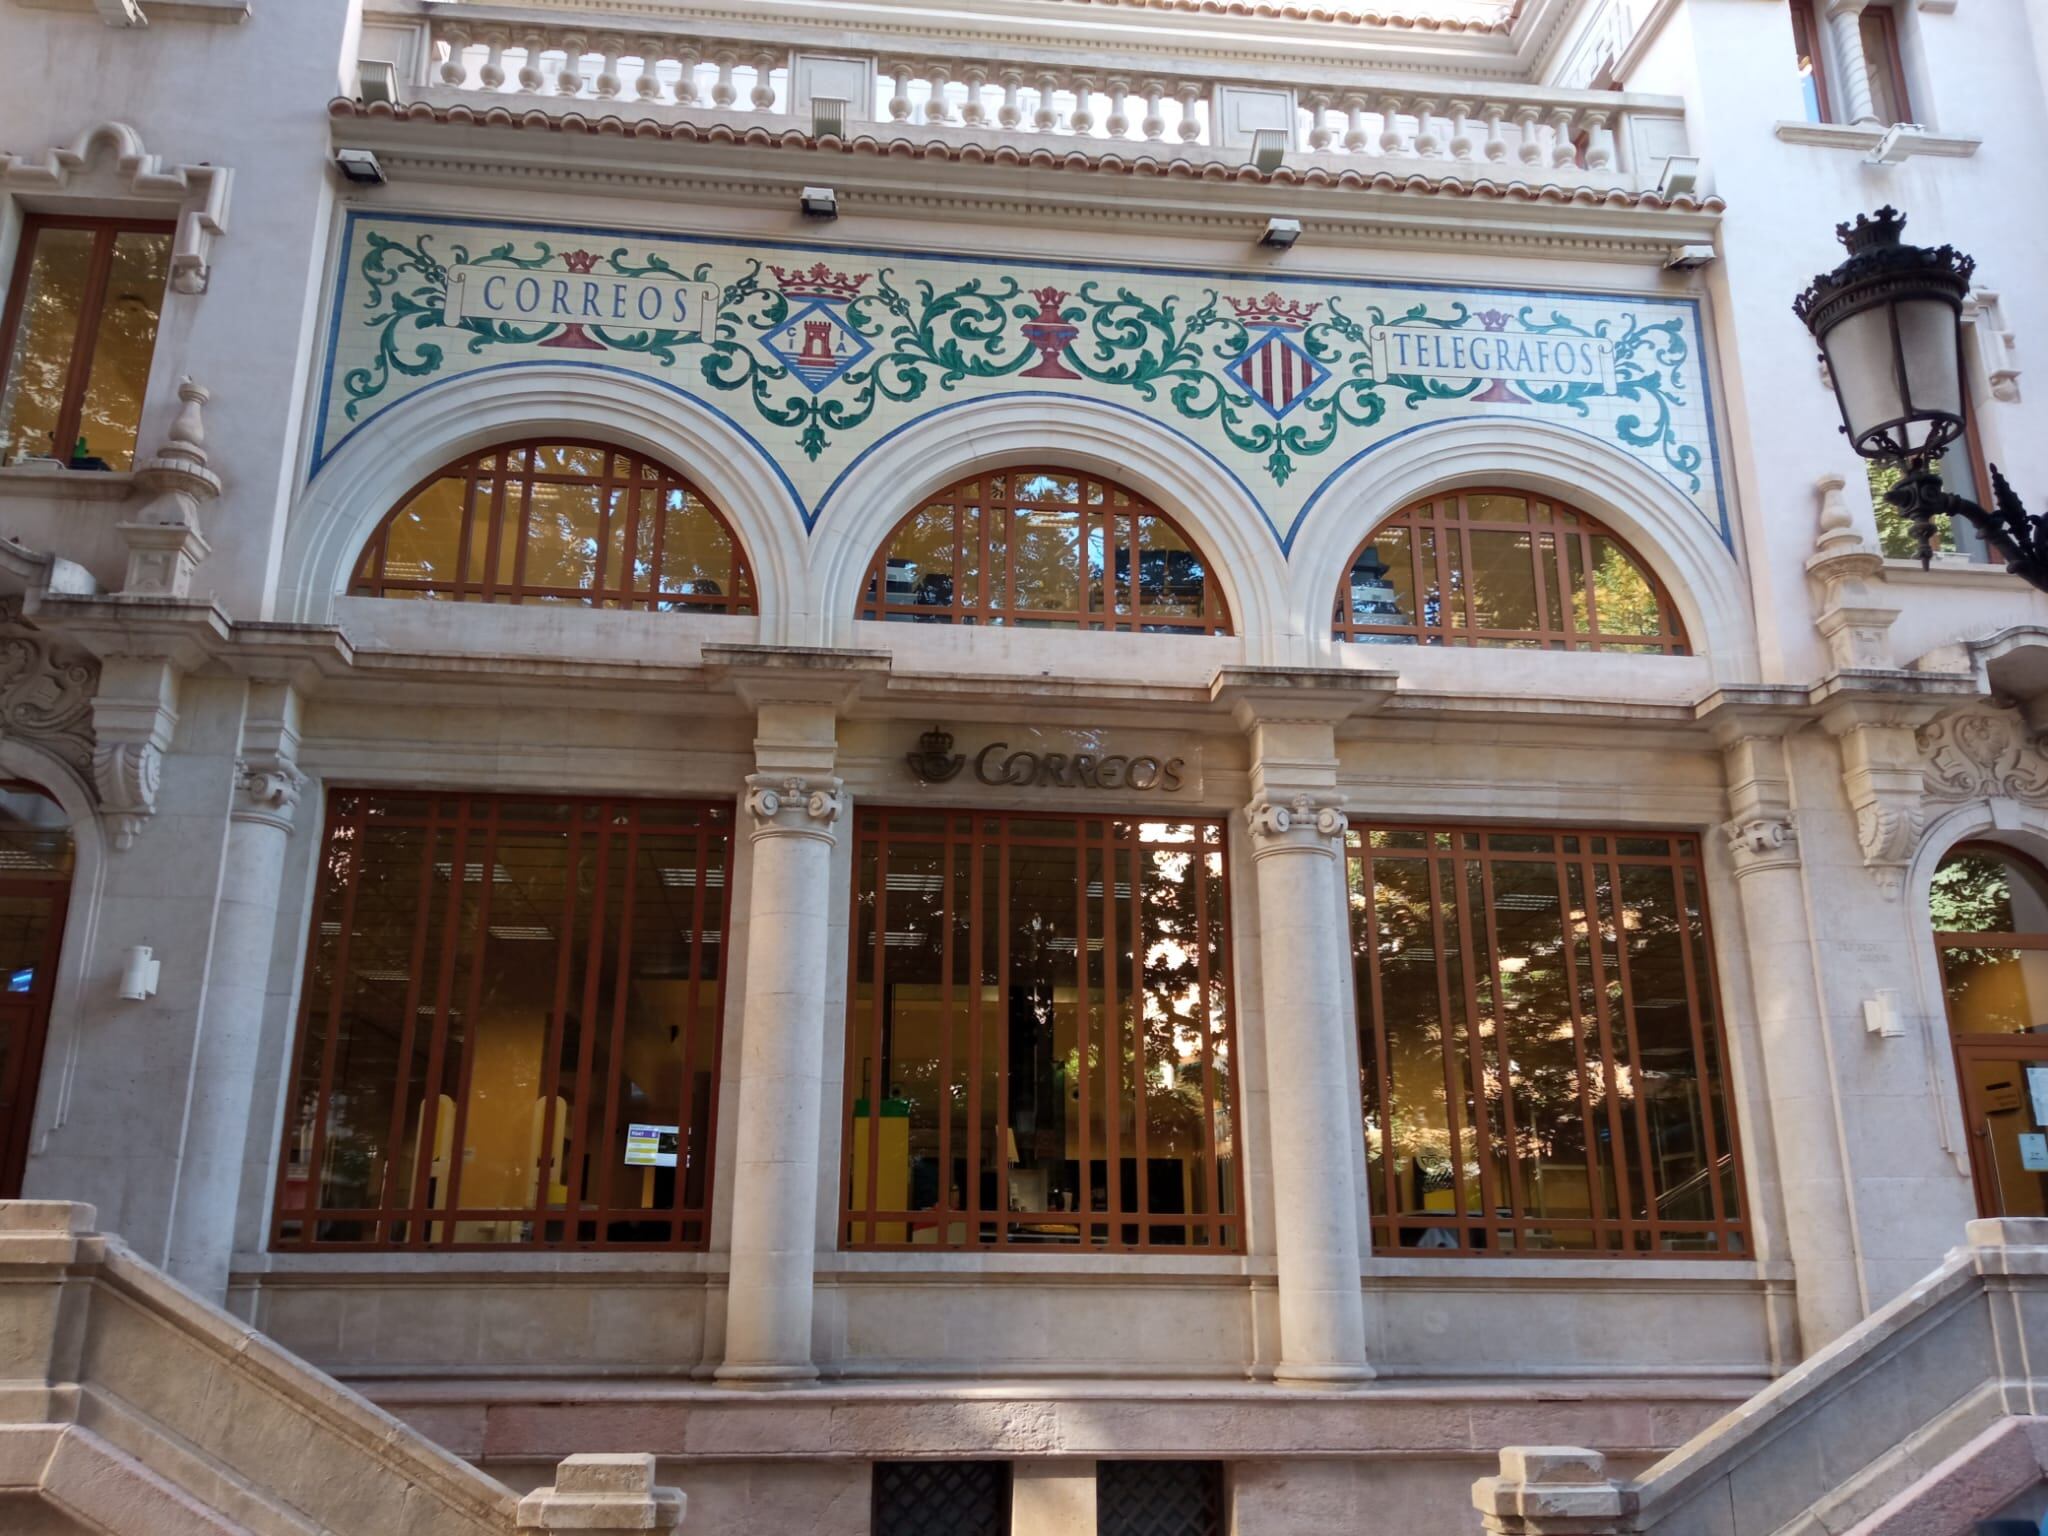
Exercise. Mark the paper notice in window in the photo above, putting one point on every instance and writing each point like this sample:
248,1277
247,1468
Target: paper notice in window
2034,1152
651,1146
2037,1090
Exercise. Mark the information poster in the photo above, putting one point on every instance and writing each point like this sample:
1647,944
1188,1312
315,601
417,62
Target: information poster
651,1146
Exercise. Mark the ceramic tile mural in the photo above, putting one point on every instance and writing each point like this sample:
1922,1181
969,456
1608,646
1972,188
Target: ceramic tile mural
819,353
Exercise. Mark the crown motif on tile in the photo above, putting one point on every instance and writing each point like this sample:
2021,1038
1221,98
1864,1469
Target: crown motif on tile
579,261
820,282
1274,310
1492,320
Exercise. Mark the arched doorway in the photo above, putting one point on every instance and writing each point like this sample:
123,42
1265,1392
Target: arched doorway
35,887
1989,907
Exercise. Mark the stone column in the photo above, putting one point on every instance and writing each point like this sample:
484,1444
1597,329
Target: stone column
782,1045
223,1081
1304,959
1845,20
1792,1028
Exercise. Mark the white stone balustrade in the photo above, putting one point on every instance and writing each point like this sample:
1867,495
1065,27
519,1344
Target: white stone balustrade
1502,132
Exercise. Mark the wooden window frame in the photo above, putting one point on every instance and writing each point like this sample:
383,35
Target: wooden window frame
470,824
1621,1235
1559,632
91,309
995,581
485,518
1113,1228
1807,27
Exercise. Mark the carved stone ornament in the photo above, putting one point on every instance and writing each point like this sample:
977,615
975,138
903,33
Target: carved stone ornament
1888,835
165,545
128,774
1761,842
793,805
46,698
1983,753
1303,822
267,791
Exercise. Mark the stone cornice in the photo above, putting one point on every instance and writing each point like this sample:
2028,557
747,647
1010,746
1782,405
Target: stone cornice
925,173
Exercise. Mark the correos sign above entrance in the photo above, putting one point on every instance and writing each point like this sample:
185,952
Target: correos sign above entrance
1081,764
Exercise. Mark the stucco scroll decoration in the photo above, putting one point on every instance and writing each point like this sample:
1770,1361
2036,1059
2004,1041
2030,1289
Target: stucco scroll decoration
46,696
110,160
1983,754
1761,842
793,805
1300,822
128,774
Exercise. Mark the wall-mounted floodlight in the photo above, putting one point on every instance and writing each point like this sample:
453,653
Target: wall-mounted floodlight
139,969
828,117
376,80
1281,233
1269,149
819,203
359,166
1681,174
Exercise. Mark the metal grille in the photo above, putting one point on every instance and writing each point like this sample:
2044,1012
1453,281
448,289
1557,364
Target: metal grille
942,1498
1159,1498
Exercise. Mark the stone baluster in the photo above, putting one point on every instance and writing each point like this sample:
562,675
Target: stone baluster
1599,140
1118,124
455,67
647,85
766,62
609,47
1355,139
1428,143
1530,120
938,107
686,81
569,79
1155,117
1189,94
1390,125
531,78
493,72
1563,151
1011,112
1461,129
899,72
1845,20
1047,118
1082,119
724,92
1320,130
1496,139
974,111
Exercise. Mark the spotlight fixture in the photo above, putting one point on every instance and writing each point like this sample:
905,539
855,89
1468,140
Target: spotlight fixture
359,166
820,203
376,80
1281,233
1681,174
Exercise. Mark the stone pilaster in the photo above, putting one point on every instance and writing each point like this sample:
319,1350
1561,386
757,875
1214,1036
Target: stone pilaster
266,792
1763,845
1298,846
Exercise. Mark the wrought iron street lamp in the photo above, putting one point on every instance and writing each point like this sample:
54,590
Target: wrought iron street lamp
1889,321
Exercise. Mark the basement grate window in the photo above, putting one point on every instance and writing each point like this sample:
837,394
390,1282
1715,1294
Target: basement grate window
1159,1498
942,1498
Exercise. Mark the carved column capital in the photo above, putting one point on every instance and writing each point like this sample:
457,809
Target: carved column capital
267,791
1762,842
794,807
1299,824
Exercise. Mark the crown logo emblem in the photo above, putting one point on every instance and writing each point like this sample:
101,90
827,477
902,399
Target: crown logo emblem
1275,311
820,282
934,761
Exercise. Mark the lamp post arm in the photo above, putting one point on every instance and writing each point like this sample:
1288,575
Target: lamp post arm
2019,536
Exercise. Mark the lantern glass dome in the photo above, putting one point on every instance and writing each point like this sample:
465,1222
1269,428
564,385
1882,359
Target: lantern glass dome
1889,323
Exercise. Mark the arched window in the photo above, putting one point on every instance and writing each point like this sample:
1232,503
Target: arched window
1044,548
1989,907
1503,568
558,522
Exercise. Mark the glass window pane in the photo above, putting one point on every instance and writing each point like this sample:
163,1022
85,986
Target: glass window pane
123,344
917,571
697,550
39,363
561,535
423,541
1503,581
1045,562
1880,58
1806,59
